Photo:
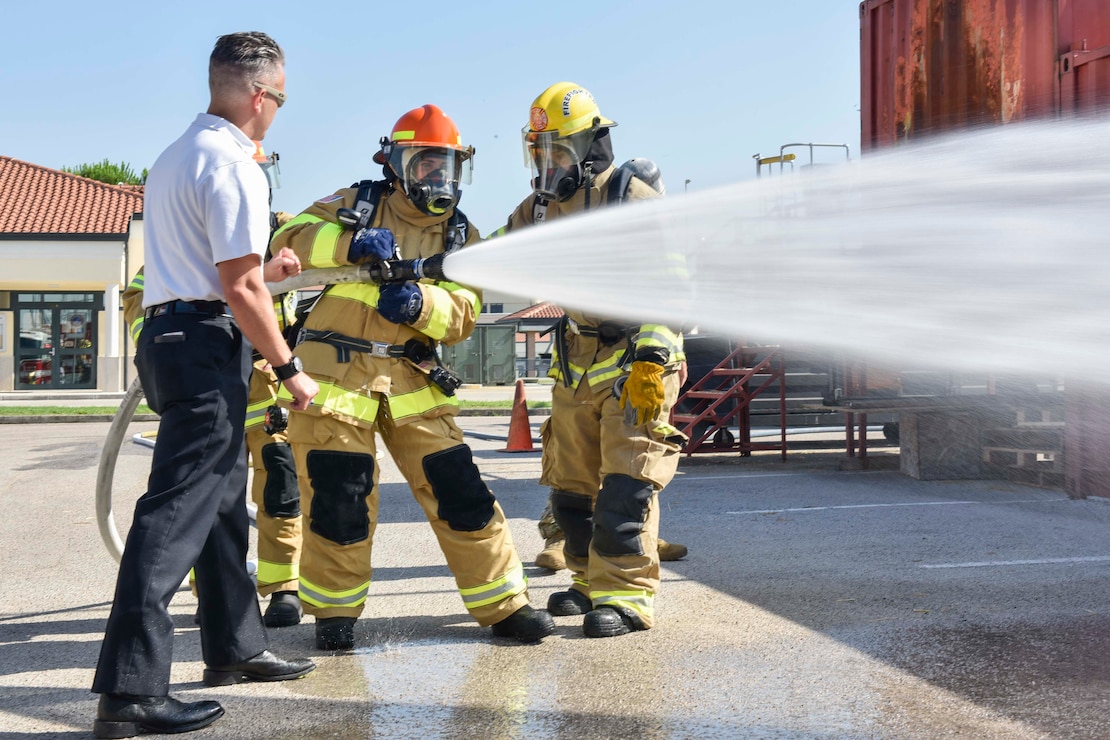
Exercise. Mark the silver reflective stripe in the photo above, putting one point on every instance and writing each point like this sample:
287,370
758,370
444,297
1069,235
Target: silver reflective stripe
315,597
510,584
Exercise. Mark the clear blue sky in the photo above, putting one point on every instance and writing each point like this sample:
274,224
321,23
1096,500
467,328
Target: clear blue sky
698,86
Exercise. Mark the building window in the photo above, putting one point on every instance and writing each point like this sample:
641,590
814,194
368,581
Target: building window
495,308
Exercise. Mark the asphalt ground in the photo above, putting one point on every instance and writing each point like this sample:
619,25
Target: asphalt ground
815,603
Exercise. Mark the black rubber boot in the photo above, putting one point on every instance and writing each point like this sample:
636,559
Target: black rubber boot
607,622
284,610
335,633
568,603
525,625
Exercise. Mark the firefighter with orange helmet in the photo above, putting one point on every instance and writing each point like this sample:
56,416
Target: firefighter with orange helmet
274,482
608,449
372,349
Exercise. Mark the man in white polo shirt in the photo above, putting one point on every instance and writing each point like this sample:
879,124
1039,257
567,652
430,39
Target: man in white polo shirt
207,227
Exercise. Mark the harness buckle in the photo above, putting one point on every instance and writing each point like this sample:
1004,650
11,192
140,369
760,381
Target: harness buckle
380,349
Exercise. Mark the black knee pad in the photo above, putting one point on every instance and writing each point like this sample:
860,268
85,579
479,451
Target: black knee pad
622,505
341,481
574,514
465,502
281,498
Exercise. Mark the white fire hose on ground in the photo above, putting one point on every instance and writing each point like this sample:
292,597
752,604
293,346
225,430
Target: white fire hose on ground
117,432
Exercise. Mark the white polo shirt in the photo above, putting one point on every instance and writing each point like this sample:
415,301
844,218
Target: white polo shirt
206,201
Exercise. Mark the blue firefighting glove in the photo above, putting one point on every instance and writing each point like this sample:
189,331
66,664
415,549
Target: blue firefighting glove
400,303
370,245
643,390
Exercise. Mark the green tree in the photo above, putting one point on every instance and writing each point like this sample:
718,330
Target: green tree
113,174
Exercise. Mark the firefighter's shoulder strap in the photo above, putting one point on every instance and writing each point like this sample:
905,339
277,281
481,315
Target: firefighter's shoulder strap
370,195
640,168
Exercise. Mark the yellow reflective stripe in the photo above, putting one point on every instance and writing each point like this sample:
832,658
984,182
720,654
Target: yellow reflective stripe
404,135
256,413
138,282
510,584
322,597
576,371
638,601
277,572
137,328
285,307
362,292
675,264
499,232
606,369
667,430
339,400
442,307
439,320
582,583
418,402
324,245
656,335
463,292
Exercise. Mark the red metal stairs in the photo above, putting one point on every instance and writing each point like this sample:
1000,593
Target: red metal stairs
721,400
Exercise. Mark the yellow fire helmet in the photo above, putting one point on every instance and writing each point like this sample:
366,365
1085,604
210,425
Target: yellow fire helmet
562,124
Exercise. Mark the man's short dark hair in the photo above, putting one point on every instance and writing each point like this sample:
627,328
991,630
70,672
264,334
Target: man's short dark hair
238,59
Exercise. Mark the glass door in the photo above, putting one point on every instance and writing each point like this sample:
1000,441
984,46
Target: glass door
57,348
75,359
34,358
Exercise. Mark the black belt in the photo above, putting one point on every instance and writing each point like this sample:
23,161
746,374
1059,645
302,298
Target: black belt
209,308
345,345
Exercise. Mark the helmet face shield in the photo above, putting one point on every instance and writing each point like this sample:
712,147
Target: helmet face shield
431,176
557,163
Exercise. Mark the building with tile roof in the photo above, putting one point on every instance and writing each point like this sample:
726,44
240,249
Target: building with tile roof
68,245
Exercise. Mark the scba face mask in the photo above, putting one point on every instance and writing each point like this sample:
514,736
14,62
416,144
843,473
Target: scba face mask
558,163
431,176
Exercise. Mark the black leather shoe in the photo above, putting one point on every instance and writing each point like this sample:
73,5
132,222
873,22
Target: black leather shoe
124,715
335,633
263,667
607,622
284,610
525,625
567,603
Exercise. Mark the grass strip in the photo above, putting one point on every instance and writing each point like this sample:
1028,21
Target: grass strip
143,409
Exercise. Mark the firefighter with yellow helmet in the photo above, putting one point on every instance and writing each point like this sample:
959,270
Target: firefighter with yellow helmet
371,349
608,449
274,482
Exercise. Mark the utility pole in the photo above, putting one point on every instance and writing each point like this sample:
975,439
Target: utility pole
686,186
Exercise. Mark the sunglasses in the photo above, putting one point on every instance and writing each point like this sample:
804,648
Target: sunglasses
278,96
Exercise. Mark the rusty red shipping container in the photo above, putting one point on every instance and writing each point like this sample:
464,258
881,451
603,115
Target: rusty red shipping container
929,66
936,65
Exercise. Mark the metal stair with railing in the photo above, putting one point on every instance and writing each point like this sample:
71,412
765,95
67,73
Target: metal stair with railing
721,400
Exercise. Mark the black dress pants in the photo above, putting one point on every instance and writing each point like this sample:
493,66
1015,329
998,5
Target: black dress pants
194,368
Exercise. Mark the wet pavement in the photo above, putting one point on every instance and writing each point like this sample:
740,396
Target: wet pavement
815,603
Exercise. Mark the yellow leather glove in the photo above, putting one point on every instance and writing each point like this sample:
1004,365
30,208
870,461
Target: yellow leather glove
643,389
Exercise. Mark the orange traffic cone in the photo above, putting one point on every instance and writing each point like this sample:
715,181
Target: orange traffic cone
520,430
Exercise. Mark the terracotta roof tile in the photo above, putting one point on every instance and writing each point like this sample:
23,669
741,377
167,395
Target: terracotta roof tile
538,311
39,200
